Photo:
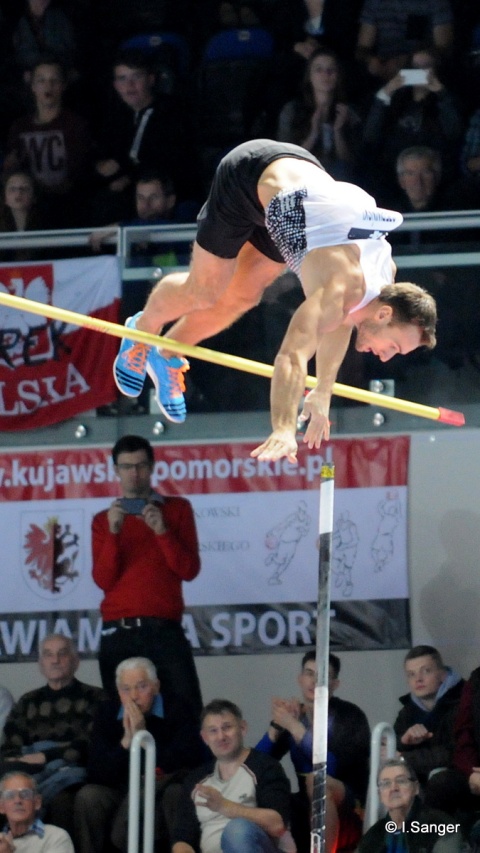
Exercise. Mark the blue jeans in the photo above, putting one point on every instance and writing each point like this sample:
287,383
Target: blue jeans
241,835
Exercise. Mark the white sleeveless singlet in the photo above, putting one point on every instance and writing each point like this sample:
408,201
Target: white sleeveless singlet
333,213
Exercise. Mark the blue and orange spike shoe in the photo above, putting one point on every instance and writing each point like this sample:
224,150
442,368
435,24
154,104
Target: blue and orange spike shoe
130,365
167,375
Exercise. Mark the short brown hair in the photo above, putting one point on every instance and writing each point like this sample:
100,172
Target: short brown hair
412,305
423,652
221,706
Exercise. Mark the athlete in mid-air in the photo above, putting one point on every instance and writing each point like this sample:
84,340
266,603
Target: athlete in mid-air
272,204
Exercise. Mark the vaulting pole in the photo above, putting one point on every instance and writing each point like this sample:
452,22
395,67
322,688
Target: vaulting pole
320,706
63,315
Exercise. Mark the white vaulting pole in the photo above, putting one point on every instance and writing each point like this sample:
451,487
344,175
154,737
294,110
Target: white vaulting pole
320,708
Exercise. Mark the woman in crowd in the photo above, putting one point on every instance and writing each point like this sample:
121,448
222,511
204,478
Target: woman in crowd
320,120
20,210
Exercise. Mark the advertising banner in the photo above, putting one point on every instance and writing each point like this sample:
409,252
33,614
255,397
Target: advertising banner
258,529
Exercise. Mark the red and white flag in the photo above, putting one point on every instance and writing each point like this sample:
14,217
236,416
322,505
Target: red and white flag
49,370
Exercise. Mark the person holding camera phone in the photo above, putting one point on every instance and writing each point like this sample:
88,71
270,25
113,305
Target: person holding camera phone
414,108
144,546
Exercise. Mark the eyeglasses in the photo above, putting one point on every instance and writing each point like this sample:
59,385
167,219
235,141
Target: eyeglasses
131,466
403,781
23,793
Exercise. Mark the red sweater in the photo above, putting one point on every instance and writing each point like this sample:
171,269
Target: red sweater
140,572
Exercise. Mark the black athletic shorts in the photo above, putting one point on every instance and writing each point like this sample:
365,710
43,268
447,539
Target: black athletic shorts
232,214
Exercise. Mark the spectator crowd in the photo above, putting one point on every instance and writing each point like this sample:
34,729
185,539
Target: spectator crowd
65,756
102,121
118,114
94,95
65,747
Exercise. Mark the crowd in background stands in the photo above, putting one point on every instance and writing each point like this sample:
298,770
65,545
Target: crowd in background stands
331,82
114,112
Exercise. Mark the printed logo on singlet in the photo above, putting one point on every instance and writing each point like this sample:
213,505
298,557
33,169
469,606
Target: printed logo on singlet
364,234
374,224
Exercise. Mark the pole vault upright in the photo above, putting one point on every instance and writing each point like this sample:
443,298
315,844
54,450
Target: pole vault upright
320,708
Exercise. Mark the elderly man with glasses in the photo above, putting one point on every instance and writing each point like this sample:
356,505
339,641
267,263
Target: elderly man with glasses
408,825
144,546
24,832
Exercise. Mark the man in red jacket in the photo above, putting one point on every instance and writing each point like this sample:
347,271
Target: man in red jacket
144,547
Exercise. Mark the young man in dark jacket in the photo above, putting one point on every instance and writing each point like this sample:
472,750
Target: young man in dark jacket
424,726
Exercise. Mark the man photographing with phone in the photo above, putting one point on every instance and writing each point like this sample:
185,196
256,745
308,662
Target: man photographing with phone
144,546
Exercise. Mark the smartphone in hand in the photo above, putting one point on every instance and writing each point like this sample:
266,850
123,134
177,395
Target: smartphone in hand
133,506
414,76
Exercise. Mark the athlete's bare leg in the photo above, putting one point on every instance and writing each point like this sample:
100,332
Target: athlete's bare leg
211,296
253,274
180,293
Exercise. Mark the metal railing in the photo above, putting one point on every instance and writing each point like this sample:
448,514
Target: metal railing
124,238
141,740
383,746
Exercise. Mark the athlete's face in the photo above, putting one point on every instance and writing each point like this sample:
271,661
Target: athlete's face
386,339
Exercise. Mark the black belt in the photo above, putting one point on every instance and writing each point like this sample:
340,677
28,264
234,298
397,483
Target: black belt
138,622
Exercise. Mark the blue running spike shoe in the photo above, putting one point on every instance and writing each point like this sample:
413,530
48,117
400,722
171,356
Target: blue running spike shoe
167,375
130,365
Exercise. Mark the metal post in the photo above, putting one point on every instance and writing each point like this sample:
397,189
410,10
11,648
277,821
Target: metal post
380,732
320,709
141,739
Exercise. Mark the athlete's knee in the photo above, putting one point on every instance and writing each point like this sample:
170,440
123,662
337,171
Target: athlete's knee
197,292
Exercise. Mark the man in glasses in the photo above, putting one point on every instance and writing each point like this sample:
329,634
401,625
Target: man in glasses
144,546
24,831
47,731
408,823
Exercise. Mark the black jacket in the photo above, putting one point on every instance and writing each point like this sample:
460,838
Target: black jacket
438,750
376,838
176,735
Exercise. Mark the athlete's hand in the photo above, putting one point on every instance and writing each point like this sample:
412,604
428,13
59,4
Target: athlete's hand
316,408
280,443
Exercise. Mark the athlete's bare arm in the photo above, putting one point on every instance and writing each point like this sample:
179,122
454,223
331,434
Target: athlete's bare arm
333,283
316,408
315,328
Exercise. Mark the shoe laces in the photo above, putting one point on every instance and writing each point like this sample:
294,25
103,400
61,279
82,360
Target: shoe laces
176,379
136,358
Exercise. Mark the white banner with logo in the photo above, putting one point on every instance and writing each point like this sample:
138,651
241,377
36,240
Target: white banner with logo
258,528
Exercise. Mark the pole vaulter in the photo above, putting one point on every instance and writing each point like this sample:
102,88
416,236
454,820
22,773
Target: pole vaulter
446,416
